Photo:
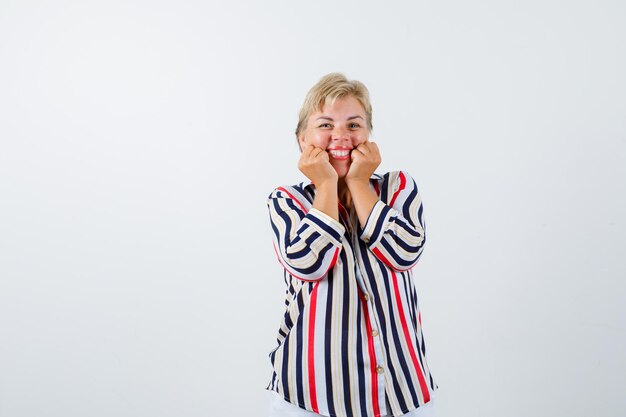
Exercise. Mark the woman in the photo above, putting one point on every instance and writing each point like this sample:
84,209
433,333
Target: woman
350,342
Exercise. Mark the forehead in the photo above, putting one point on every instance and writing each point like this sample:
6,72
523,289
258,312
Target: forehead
342,106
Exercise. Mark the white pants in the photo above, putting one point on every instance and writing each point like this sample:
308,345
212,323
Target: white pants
281,408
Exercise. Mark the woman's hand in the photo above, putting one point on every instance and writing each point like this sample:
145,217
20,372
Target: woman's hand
365,159
315,164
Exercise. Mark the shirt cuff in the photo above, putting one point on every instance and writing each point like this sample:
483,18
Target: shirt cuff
372,233
326,225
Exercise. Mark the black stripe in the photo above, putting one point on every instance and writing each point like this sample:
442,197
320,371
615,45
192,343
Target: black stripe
363,395
384,188
285,367
299,348
327,345
345,329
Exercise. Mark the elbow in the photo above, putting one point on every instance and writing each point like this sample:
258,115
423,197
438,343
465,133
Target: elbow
393,262
308,267
399,256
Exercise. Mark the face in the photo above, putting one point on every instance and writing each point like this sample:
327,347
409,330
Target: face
337,129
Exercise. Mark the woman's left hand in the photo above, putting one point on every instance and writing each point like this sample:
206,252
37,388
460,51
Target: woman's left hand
365,158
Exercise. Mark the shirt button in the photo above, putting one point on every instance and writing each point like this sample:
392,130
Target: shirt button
366,297
379,369
374,332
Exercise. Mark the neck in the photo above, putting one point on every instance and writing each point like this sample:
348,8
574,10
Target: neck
343,192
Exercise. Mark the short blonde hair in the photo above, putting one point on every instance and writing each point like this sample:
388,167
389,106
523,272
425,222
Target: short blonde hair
329,88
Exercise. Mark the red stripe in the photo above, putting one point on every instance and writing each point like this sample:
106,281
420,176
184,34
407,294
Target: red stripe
332,263
372,353
402,185
293,198
312,391
343,211
405,328
382,257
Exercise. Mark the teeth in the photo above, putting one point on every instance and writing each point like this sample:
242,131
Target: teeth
339,153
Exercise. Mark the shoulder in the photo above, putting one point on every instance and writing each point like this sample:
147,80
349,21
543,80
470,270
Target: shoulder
294,195
397,179
287,189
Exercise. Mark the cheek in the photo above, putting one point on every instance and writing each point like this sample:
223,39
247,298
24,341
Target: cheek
319,140
360,139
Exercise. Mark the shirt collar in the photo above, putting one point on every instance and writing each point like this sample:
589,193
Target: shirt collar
308,182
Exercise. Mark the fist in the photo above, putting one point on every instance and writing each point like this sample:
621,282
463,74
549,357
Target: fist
315,164
365,158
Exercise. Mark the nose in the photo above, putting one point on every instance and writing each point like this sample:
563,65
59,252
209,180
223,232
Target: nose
340,134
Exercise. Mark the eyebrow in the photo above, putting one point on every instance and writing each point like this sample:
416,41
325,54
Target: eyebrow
331,119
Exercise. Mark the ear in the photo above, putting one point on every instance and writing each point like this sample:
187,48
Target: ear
301,142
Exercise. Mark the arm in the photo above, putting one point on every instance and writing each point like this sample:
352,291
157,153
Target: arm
326,199
306,244
395,231
364,198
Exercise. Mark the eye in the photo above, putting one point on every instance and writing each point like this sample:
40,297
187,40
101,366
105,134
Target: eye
354,125
325,125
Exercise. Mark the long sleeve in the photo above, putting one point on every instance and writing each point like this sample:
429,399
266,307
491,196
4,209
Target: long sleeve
307,244
395,231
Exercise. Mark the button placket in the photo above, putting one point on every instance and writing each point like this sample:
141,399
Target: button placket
378,349
359,276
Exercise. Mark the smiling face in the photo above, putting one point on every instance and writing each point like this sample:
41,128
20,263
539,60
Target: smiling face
337,129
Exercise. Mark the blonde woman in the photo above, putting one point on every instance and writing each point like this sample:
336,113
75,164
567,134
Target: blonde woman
350,342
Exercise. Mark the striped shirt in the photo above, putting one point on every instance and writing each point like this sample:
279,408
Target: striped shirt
350,341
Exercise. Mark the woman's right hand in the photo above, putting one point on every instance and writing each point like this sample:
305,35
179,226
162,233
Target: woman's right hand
315,164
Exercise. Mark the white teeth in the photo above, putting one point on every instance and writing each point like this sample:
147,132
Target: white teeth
339,153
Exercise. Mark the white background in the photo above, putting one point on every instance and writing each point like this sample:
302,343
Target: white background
140,140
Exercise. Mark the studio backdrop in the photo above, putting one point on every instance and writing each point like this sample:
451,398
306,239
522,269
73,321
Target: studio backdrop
140,141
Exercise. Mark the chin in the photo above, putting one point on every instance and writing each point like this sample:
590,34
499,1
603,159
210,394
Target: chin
341,172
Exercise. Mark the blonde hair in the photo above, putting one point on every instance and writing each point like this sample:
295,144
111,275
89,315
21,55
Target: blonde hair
328,89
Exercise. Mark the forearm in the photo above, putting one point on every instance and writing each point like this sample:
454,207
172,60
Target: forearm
395,227
326,199
363,198
307,243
